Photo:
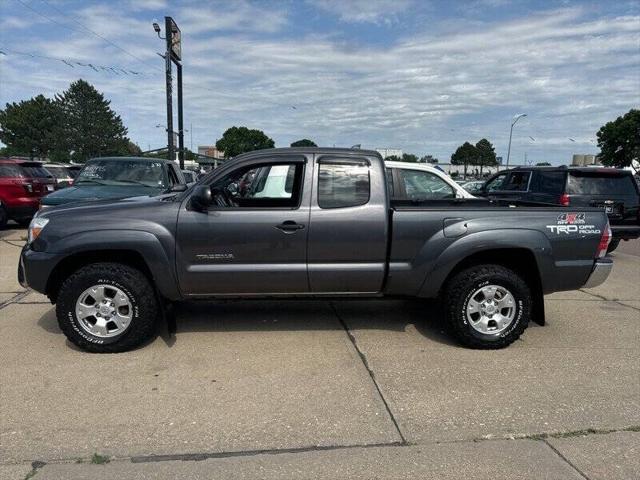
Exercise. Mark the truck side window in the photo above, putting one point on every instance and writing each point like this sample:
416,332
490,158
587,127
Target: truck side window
548,182
389,175
264,185
420,185
343,184
496,183
517,182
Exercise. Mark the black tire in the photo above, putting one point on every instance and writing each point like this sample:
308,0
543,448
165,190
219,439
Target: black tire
4,218
129,280
23,222
458,293
615,243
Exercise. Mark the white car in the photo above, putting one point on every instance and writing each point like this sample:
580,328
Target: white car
419,181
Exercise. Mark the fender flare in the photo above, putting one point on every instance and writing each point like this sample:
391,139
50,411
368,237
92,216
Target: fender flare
146,244
464,247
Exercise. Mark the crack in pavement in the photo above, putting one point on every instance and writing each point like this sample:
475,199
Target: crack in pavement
619,302
16,298
199,456
363,358
562,457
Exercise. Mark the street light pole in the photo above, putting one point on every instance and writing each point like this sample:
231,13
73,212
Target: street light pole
515,120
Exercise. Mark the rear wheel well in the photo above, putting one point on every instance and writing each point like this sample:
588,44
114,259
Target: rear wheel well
520,260
78,260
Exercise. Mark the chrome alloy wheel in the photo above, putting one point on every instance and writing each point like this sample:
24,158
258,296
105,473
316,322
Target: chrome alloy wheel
104,311
491,309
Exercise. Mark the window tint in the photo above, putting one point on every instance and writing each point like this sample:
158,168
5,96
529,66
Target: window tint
496,183
264,185
35,171
517,182
548,182
603,184
10,171
389,175
343,184
420,185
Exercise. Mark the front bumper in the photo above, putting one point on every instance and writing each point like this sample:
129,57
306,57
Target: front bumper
600,272
35,268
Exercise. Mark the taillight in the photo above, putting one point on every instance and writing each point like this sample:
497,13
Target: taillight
564,200
605,239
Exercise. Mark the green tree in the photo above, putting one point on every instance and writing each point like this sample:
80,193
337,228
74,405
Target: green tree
31,127
393,158
543,164
619,140
237,140
428,159
486,154
466,154
91,127
409,157
305,142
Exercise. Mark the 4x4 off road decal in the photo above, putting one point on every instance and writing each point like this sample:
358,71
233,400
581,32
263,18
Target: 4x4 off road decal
569,223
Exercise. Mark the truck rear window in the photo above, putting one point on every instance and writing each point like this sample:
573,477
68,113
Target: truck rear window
35,171
342,185
601,184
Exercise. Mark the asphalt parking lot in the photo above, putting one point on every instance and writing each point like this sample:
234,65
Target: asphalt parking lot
350,389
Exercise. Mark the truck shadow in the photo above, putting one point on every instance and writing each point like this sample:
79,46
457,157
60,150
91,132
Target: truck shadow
282,315
294,315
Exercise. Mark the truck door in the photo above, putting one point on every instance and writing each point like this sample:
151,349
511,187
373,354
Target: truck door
348,232
253,240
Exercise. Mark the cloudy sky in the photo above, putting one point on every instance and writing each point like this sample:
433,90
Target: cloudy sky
419,75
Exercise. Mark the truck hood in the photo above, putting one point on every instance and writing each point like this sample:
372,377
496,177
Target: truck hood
108,206
97,192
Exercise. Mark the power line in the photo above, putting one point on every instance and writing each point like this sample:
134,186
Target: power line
98,35
84,31
75,63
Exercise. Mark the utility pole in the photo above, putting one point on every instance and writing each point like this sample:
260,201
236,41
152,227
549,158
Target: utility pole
173,54
515,120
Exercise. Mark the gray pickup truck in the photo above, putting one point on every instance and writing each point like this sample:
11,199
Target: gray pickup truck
309,223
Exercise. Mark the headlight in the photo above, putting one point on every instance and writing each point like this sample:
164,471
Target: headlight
35,227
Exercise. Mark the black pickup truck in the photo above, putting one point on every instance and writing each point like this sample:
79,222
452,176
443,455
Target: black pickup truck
308,223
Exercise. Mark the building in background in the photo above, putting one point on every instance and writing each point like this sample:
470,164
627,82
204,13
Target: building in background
210,151
389,152
580,160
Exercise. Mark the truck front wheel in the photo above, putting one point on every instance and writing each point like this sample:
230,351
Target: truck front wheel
487,306
107,308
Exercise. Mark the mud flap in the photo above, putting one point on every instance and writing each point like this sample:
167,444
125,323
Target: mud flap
537,313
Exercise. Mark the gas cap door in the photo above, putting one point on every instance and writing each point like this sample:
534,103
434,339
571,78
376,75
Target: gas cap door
454,227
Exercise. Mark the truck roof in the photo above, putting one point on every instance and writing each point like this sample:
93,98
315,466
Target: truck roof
316,150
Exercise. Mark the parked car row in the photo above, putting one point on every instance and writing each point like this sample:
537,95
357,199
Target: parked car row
611,189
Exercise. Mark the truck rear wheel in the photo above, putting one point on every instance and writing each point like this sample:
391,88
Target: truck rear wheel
487,306
107,308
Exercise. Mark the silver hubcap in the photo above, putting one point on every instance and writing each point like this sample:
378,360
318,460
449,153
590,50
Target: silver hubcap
104,311
491,309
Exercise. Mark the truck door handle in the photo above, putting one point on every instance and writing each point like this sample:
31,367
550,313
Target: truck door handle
289,226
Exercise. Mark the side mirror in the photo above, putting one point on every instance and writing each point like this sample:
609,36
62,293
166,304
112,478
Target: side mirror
200,198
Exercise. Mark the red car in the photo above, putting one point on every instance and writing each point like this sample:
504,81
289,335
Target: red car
22,184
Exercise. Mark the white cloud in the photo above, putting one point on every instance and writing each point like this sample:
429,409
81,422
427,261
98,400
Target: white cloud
363,11
426,93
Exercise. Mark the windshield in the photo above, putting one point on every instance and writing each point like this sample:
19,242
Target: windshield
122,172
